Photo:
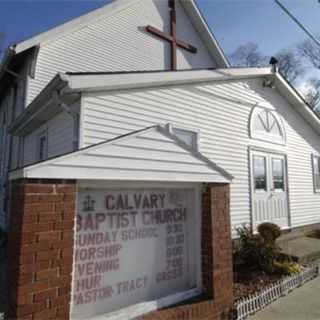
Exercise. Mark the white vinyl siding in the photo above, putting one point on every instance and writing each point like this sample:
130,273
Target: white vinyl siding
119,43
59,138
223,124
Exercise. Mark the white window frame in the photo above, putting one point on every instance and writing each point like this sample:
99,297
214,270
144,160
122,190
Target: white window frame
42,134
171,127
137,310
254,134
313,157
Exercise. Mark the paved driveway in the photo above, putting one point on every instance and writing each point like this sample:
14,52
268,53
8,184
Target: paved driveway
301,304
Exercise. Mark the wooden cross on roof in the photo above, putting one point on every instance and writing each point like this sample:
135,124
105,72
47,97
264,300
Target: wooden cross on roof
172,37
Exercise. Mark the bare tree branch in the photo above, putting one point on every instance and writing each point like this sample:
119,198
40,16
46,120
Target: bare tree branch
310,51
312,96
290,65
248,55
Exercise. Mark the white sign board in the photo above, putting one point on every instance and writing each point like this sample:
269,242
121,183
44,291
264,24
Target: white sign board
132,246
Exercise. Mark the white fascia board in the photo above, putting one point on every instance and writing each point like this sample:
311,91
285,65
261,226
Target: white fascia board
73,173
105,11
107,82
297,102
205,33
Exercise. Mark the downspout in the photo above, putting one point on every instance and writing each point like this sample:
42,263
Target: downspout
10,52
75,116
8,167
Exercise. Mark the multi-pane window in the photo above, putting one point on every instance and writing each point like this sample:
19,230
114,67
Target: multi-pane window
316,172
260,173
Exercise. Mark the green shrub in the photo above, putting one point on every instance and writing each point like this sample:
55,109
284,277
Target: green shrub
258,251
287,267
269,232
249,250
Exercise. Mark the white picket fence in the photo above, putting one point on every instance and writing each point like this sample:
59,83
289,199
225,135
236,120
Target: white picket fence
258,301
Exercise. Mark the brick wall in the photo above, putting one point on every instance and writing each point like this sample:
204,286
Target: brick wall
40,249
217,274
41,246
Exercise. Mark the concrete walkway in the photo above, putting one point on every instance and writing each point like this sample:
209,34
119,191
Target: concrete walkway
305,249
301,304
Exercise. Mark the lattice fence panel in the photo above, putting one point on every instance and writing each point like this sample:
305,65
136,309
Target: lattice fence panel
261,299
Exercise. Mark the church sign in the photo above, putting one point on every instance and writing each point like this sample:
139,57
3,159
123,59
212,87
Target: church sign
134,247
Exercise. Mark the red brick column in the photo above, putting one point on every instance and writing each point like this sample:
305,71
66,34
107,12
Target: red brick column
222,280
40,249
217,272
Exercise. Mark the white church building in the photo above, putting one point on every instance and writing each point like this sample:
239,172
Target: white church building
137,103
69,93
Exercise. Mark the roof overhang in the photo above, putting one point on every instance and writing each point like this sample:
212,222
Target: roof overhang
40,110
72,83
85,82
67,84
151,154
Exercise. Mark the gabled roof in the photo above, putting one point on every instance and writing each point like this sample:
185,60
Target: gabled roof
108,10
151,154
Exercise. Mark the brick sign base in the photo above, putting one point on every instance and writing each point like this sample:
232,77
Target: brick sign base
40,252
40,249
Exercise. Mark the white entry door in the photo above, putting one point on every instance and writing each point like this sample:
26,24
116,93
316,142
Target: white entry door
269,188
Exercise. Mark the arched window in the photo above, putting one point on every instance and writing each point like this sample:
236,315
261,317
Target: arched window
265,124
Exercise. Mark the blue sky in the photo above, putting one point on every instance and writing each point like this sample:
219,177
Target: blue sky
261,21
233,22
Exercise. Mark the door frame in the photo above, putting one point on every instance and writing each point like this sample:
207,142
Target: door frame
251,150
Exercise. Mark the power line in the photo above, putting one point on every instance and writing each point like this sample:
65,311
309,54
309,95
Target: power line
297,22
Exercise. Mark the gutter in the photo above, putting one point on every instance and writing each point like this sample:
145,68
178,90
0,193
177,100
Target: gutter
40,102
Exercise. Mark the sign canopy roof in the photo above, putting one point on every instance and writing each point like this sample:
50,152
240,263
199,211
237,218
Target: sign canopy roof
151,154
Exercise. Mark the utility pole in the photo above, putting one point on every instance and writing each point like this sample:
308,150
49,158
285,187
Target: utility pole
315,40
